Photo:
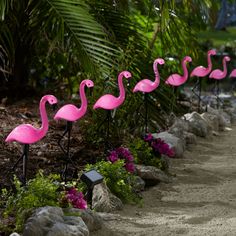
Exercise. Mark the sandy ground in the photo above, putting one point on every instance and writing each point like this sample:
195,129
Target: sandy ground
201,200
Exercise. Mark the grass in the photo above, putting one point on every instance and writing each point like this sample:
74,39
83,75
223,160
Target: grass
219,38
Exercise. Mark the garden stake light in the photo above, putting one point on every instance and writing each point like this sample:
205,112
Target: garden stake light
71,113
91,178
219,75
110,102
176,80
146,86
26,134
200,72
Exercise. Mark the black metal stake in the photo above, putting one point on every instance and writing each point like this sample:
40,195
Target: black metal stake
25,162
146,112
67,151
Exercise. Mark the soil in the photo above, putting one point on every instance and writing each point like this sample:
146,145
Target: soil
201,200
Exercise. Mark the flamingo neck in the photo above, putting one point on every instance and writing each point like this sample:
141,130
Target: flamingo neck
157,75
224,67
84,103
209,66
184,66
44,127
121,87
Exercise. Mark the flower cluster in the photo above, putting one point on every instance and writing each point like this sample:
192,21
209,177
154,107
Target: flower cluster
122,153
76,198
159,146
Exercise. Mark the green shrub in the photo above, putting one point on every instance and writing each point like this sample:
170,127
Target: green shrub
40,191
143,154
118,180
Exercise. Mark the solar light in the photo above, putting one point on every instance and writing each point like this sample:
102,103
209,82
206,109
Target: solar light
91,178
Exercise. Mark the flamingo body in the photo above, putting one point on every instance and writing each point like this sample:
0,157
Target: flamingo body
201,71
26,133
110,102
70,112
146,85
220,74
176,79
233,74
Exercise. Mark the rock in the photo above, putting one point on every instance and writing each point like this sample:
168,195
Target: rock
151,175
197,125
227,118
212,120
190,138
50,221
176,143
139,184
14,234
221,119
179,127
103,200
91,218
232,113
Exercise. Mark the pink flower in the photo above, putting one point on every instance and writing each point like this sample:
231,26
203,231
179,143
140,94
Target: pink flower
76,198
129,166
148,137
113,157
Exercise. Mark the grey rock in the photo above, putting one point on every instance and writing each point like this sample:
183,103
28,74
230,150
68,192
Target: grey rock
103,200
221,119
179,127
91,218
190,138
139,184
212,120
197,124
50,221
232,113
174,142
151,175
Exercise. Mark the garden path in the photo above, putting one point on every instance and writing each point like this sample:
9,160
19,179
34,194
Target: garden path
201,200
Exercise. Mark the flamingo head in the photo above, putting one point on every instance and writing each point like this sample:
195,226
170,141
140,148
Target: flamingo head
187,59
159,61
89,83
51,99
212,52
126,74
226,58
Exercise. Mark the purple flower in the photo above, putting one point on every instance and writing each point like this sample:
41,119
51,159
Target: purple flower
129,166
76,198
113,157
148,137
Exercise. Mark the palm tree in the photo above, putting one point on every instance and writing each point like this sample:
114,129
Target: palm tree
24,25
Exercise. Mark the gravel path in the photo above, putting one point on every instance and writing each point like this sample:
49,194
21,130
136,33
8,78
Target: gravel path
201,200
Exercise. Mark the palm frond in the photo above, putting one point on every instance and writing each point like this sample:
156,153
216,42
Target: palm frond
91,40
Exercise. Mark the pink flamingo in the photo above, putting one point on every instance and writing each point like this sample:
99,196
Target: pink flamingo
176,79
201,71
26,134
233,74
110,102
147,86
219,75
71,113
